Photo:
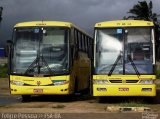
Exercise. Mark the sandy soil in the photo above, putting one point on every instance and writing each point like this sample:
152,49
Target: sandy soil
62,104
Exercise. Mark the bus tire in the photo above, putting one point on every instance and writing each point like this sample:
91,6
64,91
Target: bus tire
87,90
26,98
103,99
90,87
150,100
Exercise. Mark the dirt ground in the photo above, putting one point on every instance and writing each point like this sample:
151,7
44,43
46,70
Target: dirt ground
81,105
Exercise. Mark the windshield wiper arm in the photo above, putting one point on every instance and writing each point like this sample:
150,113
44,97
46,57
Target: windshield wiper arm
46,64
114,65
37,62
134,66
32,65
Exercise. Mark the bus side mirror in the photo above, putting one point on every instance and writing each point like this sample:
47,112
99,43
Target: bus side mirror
9,42
8,53
8,47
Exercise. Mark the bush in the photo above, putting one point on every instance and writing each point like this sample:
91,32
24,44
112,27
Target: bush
3,71
158,73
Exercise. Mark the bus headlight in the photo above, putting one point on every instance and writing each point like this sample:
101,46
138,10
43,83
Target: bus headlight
146,81
100,82
59,82
18,83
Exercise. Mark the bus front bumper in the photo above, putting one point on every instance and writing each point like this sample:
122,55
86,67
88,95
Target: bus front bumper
40,90
124,90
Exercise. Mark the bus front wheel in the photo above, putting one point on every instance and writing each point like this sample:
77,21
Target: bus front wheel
26,98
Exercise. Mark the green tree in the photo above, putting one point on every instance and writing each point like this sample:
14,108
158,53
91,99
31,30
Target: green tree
143,11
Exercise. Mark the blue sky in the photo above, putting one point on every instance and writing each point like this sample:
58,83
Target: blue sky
83,13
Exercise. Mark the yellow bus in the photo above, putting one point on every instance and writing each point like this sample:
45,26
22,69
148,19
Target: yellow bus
48,58
124,58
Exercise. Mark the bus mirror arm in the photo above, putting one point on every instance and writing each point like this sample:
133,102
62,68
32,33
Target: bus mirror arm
8,47
9,42
8,54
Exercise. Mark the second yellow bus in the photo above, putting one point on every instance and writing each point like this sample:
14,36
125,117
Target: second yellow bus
124,58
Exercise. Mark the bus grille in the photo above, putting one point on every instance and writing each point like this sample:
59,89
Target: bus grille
123,81
115,81
132,81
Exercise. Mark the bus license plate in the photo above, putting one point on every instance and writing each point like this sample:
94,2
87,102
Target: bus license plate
38,90
123,89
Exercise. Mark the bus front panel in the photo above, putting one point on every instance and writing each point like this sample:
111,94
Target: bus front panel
120,85
57,85
124,60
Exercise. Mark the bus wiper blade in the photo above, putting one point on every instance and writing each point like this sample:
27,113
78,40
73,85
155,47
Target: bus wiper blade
114,65
31,67
37,62
46,64
134,66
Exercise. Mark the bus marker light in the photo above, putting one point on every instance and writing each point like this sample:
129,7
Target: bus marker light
64,89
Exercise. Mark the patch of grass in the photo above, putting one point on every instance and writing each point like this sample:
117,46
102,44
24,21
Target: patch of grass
4,106
158,73
3,71
58,106
158,94
158,86
133,103
1,106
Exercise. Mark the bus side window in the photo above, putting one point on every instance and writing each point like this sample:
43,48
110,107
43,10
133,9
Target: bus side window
79,41
76,46
86,45
82,42
75,36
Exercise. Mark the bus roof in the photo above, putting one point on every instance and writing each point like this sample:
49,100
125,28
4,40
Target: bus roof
48,23
123,23
44,23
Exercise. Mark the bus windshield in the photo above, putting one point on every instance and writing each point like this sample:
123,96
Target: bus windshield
124,51
40,51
